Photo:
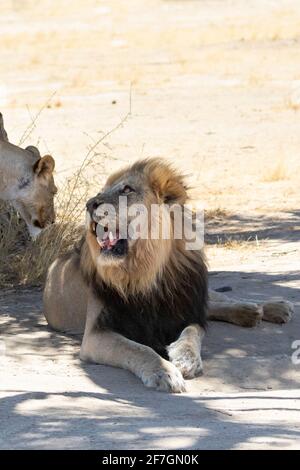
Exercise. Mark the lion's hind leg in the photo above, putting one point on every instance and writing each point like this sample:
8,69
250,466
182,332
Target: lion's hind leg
239,312
248,313
185,352
279,311
245,314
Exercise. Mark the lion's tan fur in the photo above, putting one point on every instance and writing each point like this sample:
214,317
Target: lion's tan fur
138,275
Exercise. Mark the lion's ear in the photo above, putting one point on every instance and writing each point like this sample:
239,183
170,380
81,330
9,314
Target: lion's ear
44,166
170,188
174,192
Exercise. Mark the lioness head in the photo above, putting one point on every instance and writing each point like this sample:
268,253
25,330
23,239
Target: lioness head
126,242
34,198
26,181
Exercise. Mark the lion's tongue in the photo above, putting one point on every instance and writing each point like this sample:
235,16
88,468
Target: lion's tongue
108,242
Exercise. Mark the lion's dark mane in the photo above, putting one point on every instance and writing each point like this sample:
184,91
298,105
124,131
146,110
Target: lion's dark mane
155,318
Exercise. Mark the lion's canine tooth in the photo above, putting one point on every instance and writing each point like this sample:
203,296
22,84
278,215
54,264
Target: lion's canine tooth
111,237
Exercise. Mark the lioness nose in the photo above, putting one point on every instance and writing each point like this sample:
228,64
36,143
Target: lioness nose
38,224
93,204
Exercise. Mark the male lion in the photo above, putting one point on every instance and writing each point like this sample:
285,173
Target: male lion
142,303
26,182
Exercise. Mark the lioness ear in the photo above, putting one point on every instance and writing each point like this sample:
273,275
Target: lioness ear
44,166
3,133
32,149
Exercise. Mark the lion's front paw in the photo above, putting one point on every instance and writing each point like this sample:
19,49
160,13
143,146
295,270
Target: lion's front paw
189,365
166,378
279,311
186,359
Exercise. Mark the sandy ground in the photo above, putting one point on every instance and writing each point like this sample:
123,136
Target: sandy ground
248,397
215,87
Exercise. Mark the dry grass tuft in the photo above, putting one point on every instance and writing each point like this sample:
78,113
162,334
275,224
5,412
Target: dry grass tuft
24,261
278,173
238,243
293,101
216,213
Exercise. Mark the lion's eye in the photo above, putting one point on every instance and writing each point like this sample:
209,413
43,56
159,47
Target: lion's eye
127,189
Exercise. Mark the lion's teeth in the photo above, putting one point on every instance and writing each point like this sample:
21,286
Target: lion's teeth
111,237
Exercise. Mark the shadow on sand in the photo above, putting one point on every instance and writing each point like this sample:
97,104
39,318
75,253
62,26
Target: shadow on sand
285,228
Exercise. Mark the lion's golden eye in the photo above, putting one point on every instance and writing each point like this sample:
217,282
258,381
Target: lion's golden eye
127,189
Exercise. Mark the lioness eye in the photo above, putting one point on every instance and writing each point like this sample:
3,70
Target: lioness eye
127,189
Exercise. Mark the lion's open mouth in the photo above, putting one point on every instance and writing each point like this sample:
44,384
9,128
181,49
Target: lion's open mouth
109,243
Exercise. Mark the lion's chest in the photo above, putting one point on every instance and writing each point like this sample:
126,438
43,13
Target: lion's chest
154,327
155,321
